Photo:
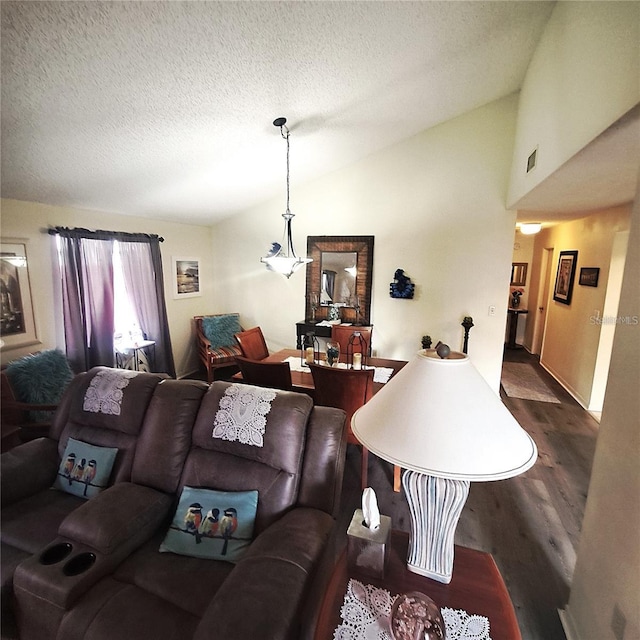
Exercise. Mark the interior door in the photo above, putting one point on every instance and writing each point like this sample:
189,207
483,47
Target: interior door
540,316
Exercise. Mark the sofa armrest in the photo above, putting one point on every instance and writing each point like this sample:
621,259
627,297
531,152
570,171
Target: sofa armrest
27,469
264,595
120,518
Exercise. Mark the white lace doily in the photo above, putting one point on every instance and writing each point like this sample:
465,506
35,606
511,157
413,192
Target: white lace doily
105,391
366,615
241,414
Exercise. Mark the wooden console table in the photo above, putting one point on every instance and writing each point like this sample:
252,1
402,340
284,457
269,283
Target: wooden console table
476,587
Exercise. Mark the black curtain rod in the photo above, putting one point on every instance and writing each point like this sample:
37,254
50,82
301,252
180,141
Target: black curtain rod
100,234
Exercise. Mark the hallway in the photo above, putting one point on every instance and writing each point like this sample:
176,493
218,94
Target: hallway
531,523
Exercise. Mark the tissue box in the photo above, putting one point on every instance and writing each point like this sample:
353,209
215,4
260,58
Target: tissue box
366,549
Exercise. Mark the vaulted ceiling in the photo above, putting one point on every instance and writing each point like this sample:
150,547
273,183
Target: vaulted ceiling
165,109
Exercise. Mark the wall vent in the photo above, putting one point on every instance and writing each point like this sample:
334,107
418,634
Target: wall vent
531,160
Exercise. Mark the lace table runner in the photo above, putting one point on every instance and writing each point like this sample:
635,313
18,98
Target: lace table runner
366,611
381,374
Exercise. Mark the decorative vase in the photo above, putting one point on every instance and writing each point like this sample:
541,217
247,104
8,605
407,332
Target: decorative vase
333,313
333,353
515,302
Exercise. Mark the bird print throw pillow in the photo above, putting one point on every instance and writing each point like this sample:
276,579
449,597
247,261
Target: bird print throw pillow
85,469
212,524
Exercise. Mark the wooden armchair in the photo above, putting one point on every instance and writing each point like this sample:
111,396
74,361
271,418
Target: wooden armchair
217,347
252,344
342,333
30,389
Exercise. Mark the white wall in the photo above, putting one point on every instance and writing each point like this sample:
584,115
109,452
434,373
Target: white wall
584,75
606,580
435,204
30,221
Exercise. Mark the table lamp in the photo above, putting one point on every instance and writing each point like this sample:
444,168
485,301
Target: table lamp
439,420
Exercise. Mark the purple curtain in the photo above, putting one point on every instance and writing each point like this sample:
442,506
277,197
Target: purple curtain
87,287
86,262
142,266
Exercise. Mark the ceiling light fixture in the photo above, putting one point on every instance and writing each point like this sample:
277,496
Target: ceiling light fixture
284,261
529,228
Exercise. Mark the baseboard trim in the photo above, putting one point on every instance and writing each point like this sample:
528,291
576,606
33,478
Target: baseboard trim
568,624
565,386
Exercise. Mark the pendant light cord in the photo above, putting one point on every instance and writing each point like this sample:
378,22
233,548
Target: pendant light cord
283,128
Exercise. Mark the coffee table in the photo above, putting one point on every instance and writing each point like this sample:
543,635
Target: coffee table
476,587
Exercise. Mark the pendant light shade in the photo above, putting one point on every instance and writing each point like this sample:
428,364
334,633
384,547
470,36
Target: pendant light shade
282,257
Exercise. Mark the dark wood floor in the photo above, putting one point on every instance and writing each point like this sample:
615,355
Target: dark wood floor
531,524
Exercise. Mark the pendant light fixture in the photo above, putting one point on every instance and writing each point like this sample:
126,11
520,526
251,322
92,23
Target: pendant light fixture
279,259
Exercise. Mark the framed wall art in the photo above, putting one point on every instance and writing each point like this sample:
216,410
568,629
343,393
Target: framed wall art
186,277
589,276
17,322
565,276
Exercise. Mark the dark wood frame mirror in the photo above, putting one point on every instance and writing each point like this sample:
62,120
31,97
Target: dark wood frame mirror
519,274
363,247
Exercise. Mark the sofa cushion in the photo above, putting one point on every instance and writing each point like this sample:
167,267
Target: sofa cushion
212,524
220,330
84,469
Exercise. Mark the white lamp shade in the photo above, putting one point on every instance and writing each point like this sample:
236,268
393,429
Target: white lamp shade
440,417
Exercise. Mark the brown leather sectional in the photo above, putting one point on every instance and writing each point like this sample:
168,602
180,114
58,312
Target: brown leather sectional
92,570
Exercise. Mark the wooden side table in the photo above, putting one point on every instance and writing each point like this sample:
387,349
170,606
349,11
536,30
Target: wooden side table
476,587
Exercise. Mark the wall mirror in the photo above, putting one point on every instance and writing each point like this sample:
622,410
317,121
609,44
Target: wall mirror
519,274
340,275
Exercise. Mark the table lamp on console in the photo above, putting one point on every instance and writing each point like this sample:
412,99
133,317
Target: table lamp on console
439,420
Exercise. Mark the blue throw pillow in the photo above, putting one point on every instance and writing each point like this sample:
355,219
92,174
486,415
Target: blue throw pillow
212,524
219,330
85,469
40,378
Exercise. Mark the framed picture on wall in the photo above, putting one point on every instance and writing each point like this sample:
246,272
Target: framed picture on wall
589,276
186,277
565,276
17,323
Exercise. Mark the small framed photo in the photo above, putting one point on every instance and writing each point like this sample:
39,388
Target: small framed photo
18,327
186,277
565,276
589,276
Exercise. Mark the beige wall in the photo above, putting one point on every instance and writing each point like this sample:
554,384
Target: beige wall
607,574
30,221
435,204
572,333
584,75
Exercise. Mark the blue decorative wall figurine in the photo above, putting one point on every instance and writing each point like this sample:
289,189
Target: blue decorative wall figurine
401,287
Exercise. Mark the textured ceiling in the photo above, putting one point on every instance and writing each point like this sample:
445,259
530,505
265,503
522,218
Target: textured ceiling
164,109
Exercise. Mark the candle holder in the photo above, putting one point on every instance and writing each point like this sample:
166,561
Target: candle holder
356,351
310,350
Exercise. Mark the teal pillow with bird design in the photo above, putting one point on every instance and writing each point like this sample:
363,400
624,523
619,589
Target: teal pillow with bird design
212,524
85,469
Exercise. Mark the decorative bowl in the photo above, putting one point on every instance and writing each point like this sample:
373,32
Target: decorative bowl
415,616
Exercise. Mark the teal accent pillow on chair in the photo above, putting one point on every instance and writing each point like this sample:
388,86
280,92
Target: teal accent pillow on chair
212,524
220,330
40,378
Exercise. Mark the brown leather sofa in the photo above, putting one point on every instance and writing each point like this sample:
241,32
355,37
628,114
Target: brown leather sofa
74,568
